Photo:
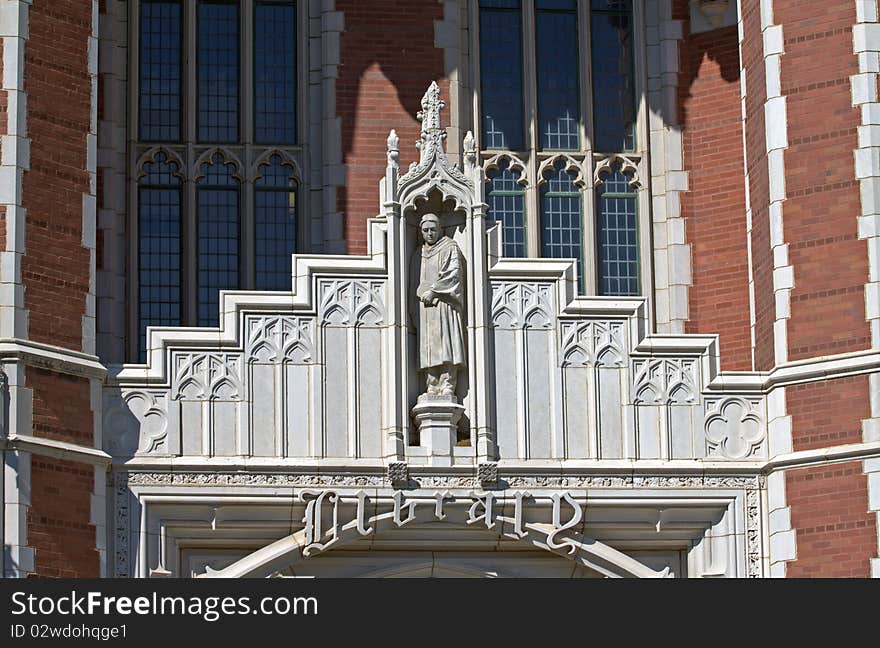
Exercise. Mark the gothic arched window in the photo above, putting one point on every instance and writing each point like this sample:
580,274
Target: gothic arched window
159,236
275,226
558,77
218,233
214,85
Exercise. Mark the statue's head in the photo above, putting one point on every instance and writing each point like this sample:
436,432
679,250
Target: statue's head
430,228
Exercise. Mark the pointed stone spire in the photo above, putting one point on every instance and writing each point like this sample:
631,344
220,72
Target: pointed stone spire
431,141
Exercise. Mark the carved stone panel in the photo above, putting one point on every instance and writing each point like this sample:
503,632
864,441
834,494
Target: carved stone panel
520,305
734,427
207,376
348,302
280,338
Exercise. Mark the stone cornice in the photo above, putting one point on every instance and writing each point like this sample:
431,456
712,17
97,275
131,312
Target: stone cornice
52,358
56,449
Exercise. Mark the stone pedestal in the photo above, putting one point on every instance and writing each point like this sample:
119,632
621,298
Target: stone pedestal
437,419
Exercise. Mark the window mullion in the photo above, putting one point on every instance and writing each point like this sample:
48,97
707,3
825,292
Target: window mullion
246,91
247,251
588,228
189,266
190,89
530,81
189,263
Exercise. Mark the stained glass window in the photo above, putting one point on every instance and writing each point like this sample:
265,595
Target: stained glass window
159,199
506,199
617,235
275,225
218,236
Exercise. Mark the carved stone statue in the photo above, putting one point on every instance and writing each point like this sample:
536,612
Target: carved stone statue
441,302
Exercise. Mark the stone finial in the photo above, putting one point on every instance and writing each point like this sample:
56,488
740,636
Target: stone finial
470,152
431,140
393,149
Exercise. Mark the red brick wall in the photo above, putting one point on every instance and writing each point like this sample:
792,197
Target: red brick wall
61,407
828,413
55,269
836,535
55,272
823,203
388,60
759,183
714,209
58,519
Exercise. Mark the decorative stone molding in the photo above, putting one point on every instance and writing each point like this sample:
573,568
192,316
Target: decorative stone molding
280,338
349,303
398,473
207,376
734,427
627,167
487,473
207,157
513,164
592,342
665,381
172,156
572,166
265,158
522,305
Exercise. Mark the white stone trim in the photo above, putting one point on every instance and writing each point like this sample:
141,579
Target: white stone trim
776,133
52,358
672,254
866,44
748,200
15,146
17,557
112,156
57,449
823,456
782,537
327,168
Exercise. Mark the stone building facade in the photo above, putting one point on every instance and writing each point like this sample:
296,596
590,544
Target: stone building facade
672,336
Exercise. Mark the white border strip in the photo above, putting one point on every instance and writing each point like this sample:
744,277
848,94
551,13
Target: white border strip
866,44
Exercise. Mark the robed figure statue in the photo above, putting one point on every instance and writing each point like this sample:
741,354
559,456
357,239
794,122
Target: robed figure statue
441,301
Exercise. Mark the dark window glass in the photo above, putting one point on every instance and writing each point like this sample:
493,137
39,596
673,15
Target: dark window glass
275,225
158,248
217,67
556,46
501,74
506,200
618,235
160,70
218,234
561,227
613,92
274,72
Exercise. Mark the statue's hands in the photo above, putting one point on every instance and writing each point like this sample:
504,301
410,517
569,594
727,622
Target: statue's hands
429,298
